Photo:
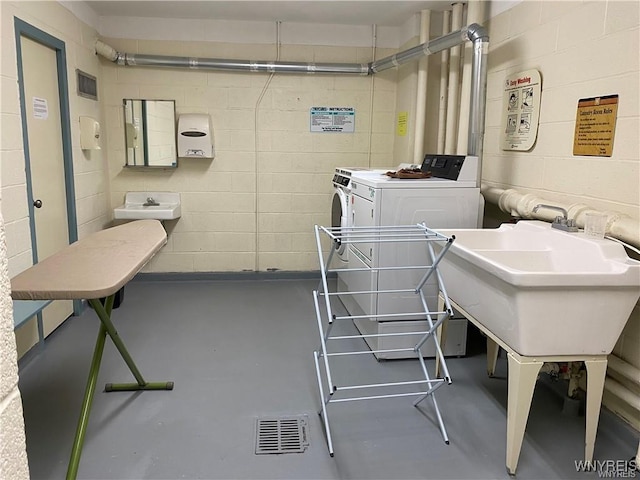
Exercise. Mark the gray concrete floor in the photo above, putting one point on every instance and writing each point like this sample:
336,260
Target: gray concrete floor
242,349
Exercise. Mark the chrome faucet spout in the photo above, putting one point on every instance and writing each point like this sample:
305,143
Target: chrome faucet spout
150,202
560,222
551,207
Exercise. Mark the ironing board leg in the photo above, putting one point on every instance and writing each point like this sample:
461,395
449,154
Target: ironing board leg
74,461
105,319
106,328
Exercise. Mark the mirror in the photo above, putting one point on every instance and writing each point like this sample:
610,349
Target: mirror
150,133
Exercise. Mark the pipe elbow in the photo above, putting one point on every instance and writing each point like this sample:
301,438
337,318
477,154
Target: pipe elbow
477,32
106,51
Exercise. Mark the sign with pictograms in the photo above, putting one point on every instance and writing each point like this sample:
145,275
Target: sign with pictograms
521,110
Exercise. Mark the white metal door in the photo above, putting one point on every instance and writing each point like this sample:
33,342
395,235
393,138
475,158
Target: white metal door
364,212
40,74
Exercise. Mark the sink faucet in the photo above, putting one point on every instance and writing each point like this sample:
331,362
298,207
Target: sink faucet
560,222
151,202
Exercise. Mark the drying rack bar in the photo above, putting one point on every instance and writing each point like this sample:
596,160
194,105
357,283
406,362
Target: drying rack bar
376,335
368,352
368,292
375,397
385,315
377,269
377,385
418,232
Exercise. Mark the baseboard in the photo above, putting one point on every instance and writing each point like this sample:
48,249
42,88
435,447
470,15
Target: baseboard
228,276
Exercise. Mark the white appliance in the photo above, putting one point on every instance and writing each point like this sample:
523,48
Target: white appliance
341,206
450,198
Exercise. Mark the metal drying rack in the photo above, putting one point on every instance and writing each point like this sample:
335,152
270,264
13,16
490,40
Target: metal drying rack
323,299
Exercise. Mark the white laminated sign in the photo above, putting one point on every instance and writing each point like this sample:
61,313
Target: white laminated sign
333,119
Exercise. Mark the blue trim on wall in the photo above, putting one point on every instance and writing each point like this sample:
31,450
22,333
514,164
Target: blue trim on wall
29,31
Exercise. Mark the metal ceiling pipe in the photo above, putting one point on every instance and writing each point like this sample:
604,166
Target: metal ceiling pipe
140,60
428,48
477,103
434,46
475,13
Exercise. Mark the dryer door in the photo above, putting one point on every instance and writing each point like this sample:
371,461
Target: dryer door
340,215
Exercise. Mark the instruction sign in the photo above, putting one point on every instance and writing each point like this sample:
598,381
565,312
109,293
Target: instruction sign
595,126
333,119
40,108
521,110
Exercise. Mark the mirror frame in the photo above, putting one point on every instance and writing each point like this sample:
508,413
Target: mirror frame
139,132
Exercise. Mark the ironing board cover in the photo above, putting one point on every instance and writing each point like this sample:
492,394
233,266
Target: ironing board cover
93,267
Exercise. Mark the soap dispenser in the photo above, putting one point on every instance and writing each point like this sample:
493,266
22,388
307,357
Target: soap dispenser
89,134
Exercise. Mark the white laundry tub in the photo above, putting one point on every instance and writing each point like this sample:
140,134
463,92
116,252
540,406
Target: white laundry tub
543,291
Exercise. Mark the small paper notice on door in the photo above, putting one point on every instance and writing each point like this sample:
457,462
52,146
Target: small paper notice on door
40,108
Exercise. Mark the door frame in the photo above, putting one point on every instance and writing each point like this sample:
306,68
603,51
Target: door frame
24,29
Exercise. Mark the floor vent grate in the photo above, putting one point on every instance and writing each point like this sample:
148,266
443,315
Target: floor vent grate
286,434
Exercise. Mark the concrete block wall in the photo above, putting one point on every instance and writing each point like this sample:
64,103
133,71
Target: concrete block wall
582,50
13,454
254,206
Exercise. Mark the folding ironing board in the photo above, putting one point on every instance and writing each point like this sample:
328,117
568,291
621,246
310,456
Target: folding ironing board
96,267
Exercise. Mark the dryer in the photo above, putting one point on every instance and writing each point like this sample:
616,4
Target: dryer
341,205
450,198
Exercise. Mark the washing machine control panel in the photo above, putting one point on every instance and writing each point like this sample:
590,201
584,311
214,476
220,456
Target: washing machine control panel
341,179
450,166
342,176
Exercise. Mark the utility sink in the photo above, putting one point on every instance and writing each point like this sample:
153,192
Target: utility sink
543,291
144,205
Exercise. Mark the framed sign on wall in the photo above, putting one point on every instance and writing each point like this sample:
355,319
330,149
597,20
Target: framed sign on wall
595,126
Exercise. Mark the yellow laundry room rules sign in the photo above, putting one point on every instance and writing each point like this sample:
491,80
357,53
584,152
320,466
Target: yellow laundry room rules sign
595,126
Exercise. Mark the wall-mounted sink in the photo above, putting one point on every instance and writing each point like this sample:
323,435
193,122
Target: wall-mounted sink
540,290
157,205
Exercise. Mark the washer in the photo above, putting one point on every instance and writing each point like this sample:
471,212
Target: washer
450,198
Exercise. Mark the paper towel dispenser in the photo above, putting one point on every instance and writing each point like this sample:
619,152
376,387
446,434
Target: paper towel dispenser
89,134
195,136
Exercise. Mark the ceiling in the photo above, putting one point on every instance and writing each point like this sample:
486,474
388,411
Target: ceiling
360,12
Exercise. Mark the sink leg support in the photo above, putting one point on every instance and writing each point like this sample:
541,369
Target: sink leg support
492,356
106,328
596,372
523,374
